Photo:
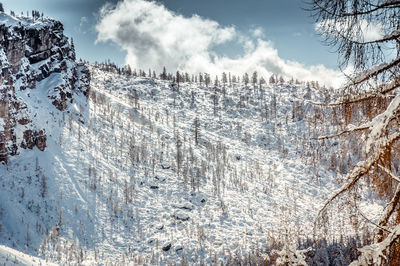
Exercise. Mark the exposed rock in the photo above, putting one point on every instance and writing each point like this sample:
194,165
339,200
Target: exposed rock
40,140
30,52
167,247
181,216
165,165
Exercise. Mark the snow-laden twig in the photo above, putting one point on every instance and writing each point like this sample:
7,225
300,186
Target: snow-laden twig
374,254
372,72
380,123
363,167
388,212
349,129
370,221
387,171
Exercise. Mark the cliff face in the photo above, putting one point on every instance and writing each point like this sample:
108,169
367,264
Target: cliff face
32,53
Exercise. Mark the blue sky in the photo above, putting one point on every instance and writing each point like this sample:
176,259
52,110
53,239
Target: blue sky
283,24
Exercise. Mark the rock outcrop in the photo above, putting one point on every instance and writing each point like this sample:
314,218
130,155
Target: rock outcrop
34,55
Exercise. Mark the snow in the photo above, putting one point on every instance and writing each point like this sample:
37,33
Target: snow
379,125
107,187
26,22
234,208
232,190
9,256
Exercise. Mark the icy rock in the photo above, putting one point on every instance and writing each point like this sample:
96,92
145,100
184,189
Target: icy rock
184,206
181,216
160,179
166,247
155,91
198,198
165,166
179,249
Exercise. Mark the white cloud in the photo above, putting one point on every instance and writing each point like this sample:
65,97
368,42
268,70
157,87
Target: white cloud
257,32
154,37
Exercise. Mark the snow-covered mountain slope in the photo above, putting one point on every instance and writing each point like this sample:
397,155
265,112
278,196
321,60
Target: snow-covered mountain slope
34,54
122,178
143,171
9,256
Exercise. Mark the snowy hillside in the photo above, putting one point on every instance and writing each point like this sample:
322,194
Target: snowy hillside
122,175
9,256
145,171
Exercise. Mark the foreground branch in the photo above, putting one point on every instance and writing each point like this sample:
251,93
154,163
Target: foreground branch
363,167
375,254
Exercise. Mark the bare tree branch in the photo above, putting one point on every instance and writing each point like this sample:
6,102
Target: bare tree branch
346,131
376,254
363,167
388,213
373,72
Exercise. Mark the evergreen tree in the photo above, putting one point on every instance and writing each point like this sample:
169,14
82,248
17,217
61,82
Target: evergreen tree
196,125
245,78
216,82
261,81
254,79
164,74
224,79
272,79
178,78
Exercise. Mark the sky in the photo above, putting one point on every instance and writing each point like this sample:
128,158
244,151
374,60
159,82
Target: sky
271,37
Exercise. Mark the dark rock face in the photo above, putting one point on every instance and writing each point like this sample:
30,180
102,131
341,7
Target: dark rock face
30,52
34,138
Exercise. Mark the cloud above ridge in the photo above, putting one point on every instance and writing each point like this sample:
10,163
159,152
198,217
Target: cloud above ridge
154,36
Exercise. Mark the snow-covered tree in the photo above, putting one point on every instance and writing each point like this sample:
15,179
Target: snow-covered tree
164,74
254,79
245,78
373,86
224,78
272,79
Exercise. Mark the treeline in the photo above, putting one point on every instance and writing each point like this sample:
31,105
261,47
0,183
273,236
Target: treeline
204,78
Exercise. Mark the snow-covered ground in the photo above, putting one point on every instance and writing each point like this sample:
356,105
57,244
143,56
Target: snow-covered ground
9,256
123,180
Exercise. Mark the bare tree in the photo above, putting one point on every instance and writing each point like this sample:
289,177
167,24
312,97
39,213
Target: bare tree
196,126
374,85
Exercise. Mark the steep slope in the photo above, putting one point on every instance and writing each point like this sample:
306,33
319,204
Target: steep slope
39,80
9,256
122,177
34,55
141,170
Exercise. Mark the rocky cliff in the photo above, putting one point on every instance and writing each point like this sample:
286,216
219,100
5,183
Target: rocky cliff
34,52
